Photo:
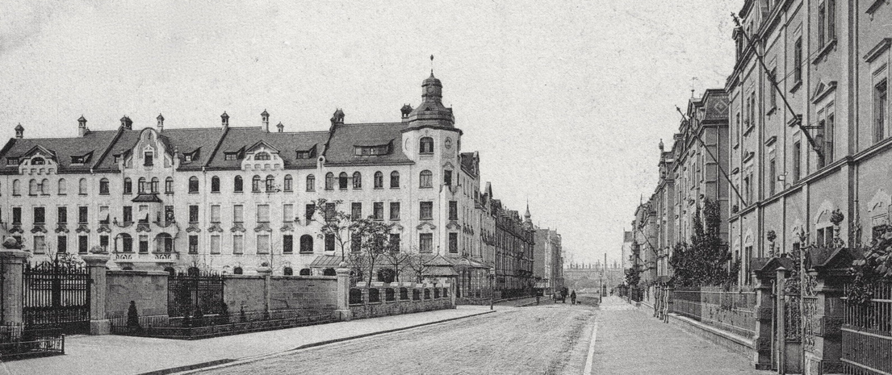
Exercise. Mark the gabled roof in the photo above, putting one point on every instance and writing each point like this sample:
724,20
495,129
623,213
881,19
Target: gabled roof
344,139
287,143
188,140
63,148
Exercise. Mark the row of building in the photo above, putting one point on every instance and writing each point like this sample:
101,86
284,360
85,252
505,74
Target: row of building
235,199
793,144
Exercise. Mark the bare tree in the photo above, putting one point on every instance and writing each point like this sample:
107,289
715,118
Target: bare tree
335,223
373,239
416,261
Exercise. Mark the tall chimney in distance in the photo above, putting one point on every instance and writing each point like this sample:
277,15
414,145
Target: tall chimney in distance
264,117
82,127
160,122
225,120
19,131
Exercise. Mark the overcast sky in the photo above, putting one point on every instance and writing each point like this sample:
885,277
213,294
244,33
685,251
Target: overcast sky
566,102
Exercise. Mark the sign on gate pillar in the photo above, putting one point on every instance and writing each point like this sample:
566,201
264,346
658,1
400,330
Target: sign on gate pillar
13,263
343,311
99,325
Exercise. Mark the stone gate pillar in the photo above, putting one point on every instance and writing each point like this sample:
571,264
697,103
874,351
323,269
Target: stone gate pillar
825,313
13,263
343,296
763,311
99,325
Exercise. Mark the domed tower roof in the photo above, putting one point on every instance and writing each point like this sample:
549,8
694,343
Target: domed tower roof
431,111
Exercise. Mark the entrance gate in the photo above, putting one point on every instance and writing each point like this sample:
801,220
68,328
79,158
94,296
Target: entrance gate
56,294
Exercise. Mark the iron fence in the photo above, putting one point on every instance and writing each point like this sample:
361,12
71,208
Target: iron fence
189,294
56,294
19,342
729,310
867,332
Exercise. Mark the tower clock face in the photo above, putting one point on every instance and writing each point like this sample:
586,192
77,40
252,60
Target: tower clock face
430,89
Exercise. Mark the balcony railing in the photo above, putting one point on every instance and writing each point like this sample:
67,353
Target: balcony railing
154,257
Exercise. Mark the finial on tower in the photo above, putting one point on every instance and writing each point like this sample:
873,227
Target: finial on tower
432,64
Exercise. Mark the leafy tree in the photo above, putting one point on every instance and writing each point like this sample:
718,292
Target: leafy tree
874,267
335,223
705,260
374,242
416,262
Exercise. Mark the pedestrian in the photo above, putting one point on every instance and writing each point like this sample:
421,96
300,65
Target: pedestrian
573,297
537,298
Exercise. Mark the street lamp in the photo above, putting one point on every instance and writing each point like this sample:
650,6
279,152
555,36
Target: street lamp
492,275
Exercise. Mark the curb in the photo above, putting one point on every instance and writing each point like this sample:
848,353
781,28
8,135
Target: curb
228,362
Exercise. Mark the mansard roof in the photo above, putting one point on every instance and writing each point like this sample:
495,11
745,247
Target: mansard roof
94,142
287,144
345,138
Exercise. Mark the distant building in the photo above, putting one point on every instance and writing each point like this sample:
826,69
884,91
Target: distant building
548,262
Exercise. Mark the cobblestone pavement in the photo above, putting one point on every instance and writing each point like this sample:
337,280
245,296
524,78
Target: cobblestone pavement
632,342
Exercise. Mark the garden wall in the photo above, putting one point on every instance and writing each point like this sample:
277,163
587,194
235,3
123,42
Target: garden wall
248,292
292,292
147,289
406,298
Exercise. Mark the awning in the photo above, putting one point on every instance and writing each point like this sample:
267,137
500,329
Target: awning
326,261
147,198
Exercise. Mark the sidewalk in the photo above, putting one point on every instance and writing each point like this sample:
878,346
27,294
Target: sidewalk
629,341
112,354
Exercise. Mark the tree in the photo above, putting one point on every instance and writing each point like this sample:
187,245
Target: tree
399,260
416,262
335,223
705,260
374,238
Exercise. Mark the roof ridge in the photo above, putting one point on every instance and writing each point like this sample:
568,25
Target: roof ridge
109,147
216,148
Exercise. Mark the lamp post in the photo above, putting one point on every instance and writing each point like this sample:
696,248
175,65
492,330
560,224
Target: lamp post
492,275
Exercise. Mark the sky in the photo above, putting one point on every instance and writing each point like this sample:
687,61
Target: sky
565,101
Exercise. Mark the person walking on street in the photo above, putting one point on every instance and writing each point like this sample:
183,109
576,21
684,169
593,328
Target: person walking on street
573,297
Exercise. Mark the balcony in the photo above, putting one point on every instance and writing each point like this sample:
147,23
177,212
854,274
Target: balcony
143,258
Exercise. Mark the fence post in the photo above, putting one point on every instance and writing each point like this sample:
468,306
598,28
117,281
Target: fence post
670,294
823,341
781,320
763,311
343,312
266,272
13,266
99,325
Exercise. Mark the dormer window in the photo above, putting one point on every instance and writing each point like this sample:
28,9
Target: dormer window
371,150
38,161
12,161
427,145
230,156
148,159
262,156
188,158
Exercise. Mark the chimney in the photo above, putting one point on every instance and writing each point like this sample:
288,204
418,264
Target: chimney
82,127
225,120
264,117
19,131
406,110
160,122
338,117
280,127
126,123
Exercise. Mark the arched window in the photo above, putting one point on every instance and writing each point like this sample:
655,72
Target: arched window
329,181
306,244
63,187
255,184
128,185
342,181
45,187
270,183
103,186
193,184
168,185
261,156
82,186
126,242
16,187
329,272
305,272
394,180
287,184
32,187
237,184
311,183
427,145
154,187
288,271
141,185
215,184
379,180
38,161
237,270
357,180
426,179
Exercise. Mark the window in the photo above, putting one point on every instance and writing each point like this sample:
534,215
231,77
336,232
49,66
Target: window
262,156
270,184
237,271
169,214
797,61
288,184
394,210
103,186
193,184
329,181
829,127
62,244
215,244
193,244
128,186
357,180
103,242
143,213
287,244
309,211
395,242
306,244
831,20
104,215
426,242
193,213
62,215
154,185
305,272
772,96
329,211
33,189
128,214
141,185
427,145
447,177
39,244
311,183
329,242
238,244
237,184
453,243
427,209
355,242
255,184
16,187
288,213
16,215
288,271
82,244
747,190
166,242
230,156
822,15
82,186
453,210
263,213
215,213
168,185
379,180
39,215
425,180
148,159
772,177
262,244
342,181
215,184
356,210
378,210
127,243
797,158
82,214
63,187
880,103
12,161
394,180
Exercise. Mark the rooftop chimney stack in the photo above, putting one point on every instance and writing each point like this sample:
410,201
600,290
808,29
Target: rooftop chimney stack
19,131
338,117
126,123
160,122
264,117
82,127
225,120
406,110
280,127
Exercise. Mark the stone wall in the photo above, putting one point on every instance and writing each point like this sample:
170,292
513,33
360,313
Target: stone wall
292,292
147,289
248,292
397,306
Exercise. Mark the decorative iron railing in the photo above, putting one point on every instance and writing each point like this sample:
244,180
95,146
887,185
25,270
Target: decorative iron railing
728,310
867,332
